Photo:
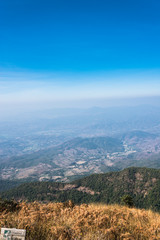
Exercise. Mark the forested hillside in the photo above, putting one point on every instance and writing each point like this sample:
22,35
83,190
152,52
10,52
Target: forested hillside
142,184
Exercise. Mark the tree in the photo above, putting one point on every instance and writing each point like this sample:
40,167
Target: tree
127,200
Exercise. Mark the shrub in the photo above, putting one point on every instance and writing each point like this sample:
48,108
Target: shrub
8,205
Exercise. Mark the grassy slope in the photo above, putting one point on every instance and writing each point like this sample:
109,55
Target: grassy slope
89,222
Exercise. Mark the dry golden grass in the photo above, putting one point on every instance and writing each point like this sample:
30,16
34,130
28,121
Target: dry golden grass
89,222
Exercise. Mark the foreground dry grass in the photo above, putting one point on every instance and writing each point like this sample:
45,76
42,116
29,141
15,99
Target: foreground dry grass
88,222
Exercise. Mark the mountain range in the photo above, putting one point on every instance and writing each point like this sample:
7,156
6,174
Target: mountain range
81,157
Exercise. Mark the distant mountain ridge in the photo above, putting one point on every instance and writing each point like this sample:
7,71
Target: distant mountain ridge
138,134
142,184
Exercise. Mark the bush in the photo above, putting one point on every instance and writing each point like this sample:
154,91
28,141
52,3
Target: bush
8,205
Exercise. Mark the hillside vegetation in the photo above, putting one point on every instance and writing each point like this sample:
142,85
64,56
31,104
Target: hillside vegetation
66,221
142,184
9,184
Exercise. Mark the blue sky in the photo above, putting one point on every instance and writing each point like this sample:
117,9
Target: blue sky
70,50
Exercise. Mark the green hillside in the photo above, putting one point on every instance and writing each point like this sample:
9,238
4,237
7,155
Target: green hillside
7,184
141,183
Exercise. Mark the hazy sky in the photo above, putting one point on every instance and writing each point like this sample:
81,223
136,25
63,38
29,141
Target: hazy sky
62,52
